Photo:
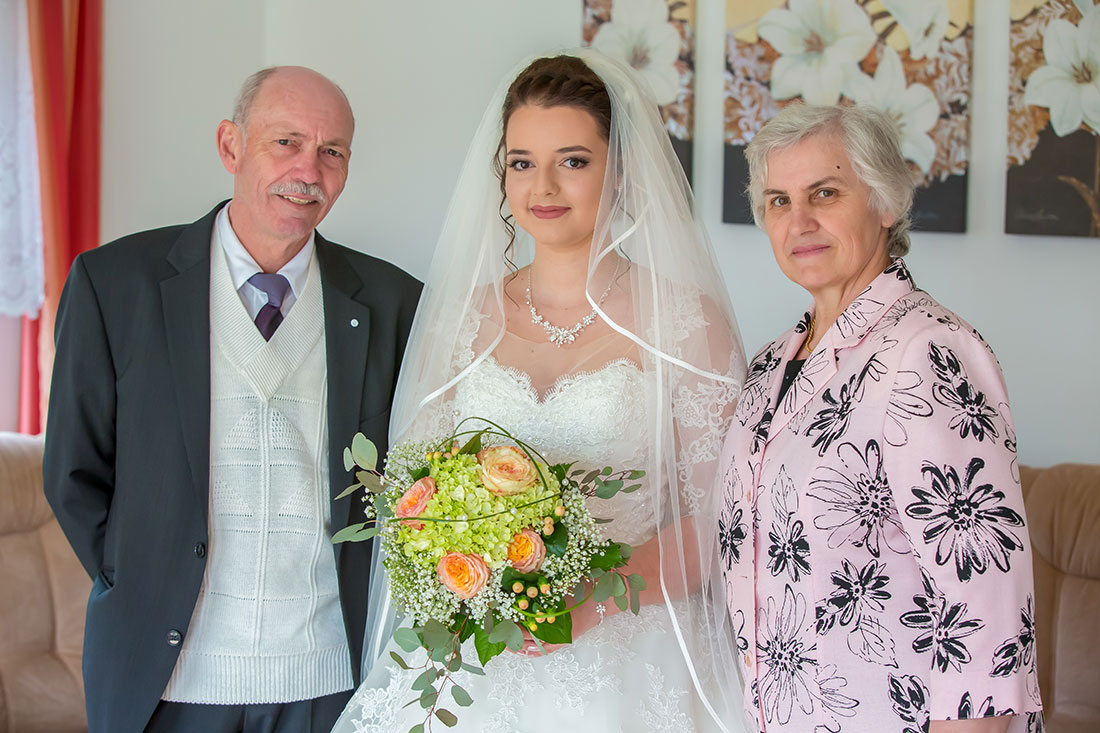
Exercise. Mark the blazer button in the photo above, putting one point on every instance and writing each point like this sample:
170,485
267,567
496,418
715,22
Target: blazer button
748,659
174,638
200,550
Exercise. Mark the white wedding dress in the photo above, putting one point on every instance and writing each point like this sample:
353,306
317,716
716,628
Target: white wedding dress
628,673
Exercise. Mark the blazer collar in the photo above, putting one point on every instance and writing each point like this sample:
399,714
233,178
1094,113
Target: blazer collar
850,329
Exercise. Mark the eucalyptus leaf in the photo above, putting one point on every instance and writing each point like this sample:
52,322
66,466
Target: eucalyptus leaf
619,587
438,636
364,452
424,680
439,654
598,520
606,470
636,582
631,489
588,477
635,601
461,696
455,662
373,483
400,660
446,717
473,669
428,699
349,461
635,475
349,490
605,490
622,602
508,632
418,728
355,533
407,639
603,588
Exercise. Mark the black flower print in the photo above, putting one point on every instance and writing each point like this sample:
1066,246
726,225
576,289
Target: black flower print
944,624
1018,651
788,654
739,631
758,379
788,546
832,422
973,416
986,709
909,698
760,432
968,522
898,269
731,533
859,508
858,591
904,405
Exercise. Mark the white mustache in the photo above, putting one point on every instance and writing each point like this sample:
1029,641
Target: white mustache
300,189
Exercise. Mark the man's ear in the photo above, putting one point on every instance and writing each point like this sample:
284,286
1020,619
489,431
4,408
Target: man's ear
230,145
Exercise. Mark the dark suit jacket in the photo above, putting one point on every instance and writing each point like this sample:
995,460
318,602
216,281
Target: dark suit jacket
126,465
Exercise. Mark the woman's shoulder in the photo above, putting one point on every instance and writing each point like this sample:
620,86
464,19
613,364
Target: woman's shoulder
917,321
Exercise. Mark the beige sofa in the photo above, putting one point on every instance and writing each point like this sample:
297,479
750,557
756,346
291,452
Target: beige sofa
44,591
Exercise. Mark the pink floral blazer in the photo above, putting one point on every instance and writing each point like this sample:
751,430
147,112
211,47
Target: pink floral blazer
873,538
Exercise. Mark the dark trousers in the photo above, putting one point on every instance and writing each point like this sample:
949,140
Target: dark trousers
305,716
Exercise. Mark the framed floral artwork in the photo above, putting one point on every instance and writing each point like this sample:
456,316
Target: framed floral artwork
910,58
1053,183
655,37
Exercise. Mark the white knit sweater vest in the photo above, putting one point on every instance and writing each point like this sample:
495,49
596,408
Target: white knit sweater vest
267,626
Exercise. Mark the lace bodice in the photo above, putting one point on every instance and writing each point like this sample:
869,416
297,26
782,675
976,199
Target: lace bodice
594,418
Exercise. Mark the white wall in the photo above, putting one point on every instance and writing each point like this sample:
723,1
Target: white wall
419,75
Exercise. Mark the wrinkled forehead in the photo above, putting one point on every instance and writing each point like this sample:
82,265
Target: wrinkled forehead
813,158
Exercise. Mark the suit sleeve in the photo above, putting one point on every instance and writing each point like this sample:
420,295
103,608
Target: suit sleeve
957,488
79,462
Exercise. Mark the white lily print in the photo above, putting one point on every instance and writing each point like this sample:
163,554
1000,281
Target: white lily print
640,36
1069,85
924,22
913,107
821,43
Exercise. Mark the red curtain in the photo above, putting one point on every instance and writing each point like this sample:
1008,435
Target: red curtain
66,46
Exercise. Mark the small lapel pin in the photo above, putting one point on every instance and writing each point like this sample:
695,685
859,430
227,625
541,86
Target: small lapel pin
355,323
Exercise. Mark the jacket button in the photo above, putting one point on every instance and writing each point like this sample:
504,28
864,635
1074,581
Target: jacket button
200,550
174,638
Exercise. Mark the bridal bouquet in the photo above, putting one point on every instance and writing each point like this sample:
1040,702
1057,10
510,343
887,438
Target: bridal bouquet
485,541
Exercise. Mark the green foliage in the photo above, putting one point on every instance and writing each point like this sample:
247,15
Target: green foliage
446,717
407,639
559,632
461,696
364,452
557,542
508,632
473,445
356,533
486,649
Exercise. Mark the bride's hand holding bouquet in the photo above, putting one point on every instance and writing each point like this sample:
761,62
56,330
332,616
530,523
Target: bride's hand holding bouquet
487,542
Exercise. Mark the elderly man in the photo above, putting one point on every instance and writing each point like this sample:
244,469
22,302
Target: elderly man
207,378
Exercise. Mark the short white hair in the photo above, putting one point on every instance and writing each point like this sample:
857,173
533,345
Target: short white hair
869,137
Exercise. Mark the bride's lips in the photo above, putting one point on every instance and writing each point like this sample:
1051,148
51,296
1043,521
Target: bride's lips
548,212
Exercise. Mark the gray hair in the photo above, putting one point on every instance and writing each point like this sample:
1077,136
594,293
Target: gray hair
869,137
247,96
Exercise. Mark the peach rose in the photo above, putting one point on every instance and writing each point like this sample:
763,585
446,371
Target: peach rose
463,575
527,551
414,500
506,470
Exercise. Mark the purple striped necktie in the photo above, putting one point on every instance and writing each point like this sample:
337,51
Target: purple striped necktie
276,287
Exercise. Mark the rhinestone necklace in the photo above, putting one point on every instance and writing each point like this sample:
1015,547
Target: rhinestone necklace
556,334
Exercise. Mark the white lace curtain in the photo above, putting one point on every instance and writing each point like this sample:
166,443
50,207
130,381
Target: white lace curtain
21,278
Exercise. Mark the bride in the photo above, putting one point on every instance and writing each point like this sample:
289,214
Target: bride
614,344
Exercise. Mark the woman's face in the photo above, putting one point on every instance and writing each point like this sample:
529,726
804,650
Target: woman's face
818,215
555,159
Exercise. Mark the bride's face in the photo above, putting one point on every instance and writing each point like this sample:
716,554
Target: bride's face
555,159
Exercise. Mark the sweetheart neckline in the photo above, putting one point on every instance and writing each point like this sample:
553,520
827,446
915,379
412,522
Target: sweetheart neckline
564,382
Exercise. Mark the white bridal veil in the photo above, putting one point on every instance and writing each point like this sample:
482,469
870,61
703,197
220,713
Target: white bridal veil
677,326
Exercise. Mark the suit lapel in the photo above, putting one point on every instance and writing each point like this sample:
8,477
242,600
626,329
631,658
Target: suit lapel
185,298
347,334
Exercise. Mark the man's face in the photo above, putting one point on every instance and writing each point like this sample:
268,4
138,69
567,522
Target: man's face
290,162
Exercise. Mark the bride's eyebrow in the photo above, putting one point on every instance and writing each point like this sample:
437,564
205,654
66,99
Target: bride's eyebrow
569,149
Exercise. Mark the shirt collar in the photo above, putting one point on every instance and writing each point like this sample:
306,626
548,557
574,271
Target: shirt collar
242,266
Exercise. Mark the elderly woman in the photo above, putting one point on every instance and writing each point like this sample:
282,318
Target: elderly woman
876,558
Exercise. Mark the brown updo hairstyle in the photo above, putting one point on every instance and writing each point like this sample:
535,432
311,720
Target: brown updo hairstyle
554,81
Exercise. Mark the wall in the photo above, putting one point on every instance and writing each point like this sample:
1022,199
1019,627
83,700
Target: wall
419,74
